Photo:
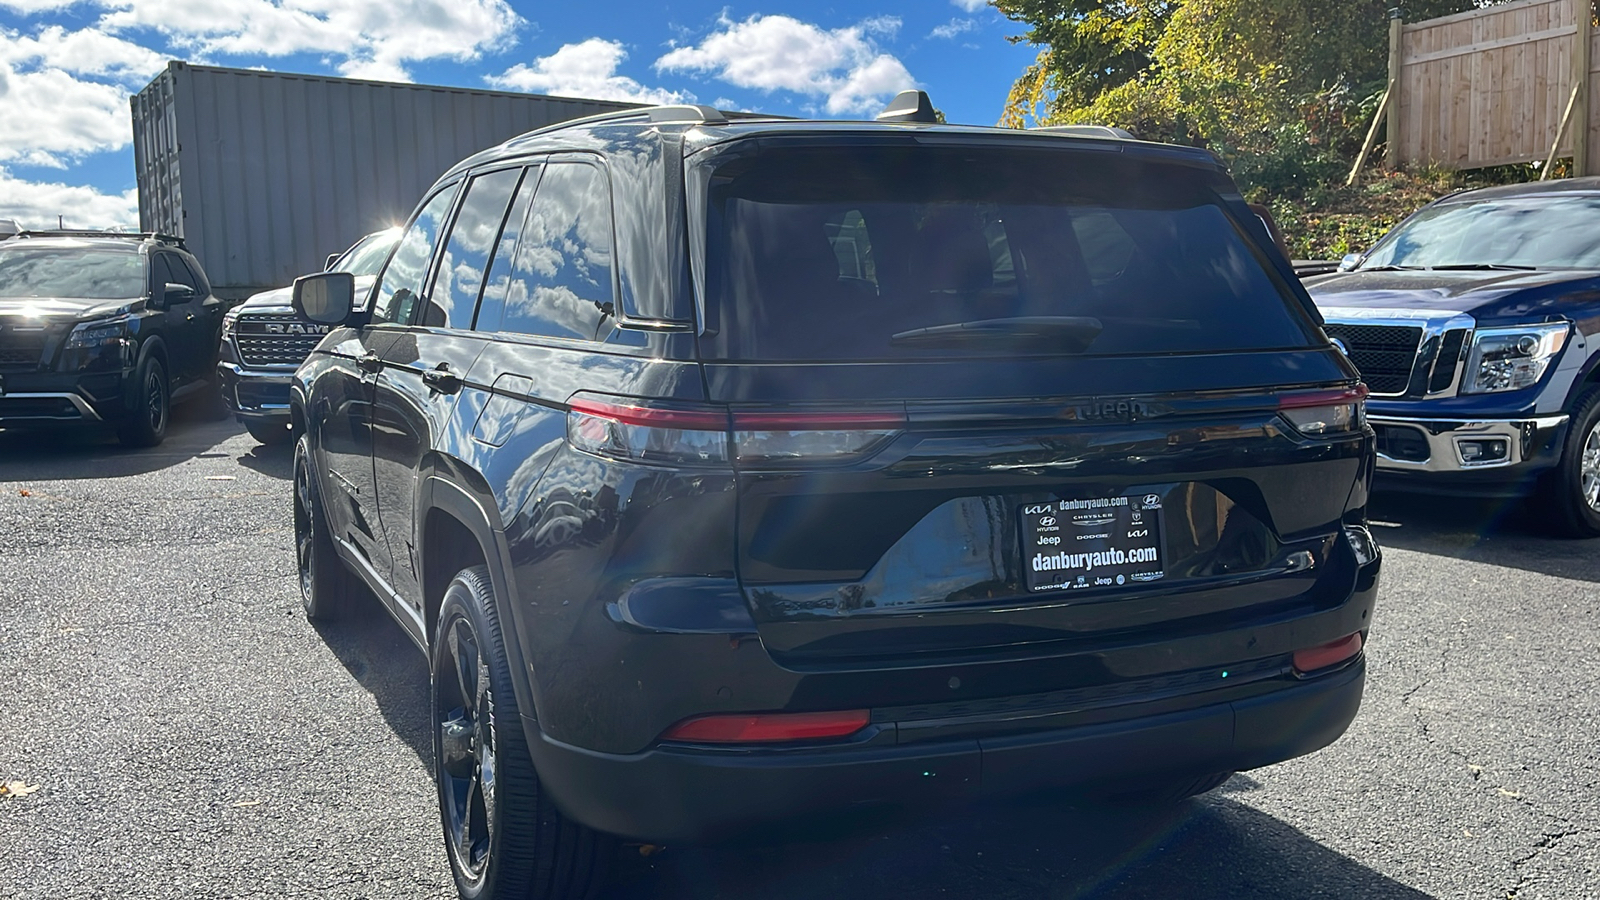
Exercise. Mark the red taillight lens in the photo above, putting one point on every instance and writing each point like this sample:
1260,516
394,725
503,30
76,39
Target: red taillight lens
654,433
782,436
676,434
1326,412
769,727
1331,654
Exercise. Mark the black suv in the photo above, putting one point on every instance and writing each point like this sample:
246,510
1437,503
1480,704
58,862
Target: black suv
734,471
103,327
263,342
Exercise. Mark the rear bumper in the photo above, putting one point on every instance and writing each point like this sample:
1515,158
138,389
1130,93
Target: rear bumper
682,794
255,395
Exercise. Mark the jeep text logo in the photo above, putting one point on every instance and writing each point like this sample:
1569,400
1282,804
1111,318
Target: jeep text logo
295,328
1110,410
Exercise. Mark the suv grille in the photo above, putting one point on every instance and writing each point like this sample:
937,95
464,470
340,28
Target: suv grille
276,339
1384,354
21,349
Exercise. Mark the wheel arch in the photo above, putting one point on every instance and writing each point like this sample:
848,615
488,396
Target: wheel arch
458,530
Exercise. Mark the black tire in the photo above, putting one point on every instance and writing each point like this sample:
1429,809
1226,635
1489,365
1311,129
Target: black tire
1568,499
504,839
327,589
146,424
269,433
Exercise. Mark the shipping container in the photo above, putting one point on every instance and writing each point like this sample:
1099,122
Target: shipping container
265,173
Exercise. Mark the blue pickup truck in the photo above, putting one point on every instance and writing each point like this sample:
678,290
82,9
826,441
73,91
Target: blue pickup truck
1476,325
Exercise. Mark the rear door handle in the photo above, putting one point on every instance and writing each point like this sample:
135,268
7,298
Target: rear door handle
372,363
441,379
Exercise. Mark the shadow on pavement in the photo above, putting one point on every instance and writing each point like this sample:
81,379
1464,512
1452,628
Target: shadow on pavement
272,460
1210,849
93,452
1507,533
385,662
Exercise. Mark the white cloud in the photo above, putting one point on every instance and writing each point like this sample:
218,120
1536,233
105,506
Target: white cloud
376,38
587,69
27,7
953,28
36,204
51,116
86,52
970,6
777,52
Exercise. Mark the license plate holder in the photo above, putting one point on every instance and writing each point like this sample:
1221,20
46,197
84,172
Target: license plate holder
1090,543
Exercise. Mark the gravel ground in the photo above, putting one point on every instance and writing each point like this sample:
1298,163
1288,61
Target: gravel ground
191,735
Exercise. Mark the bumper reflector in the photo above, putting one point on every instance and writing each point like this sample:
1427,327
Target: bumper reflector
1330,654
768,727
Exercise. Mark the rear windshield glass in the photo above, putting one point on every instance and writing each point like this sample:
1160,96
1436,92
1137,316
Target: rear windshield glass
886,253
80,274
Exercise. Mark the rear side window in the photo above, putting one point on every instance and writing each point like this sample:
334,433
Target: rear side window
560,283
459,277
401,285
855,254
491,308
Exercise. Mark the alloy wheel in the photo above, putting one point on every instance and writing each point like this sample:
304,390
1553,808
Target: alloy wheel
156,401
302,528
463,711
1589,469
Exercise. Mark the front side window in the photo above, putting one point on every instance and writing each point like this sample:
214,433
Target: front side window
459,276
82,274
906,253
367,256
561,281
401,285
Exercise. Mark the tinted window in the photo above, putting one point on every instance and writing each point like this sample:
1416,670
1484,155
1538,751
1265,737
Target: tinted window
561,280
180,272
492,307
397,293
822,255
78,273
1541,232
460,273
367,256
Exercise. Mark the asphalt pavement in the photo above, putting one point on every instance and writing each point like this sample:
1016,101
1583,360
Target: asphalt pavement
191,735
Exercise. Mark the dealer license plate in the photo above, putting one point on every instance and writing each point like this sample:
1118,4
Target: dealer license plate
1091,543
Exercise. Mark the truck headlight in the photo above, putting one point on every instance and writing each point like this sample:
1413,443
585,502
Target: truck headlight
99,333
1511,358
229,320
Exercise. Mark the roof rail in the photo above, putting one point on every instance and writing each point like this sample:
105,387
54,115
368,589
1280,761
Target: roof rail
910,106
703,115
71,232
1098,131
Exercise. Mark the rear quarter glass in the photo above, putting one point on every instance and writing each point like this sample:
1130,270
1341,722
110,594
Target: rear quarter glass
839,253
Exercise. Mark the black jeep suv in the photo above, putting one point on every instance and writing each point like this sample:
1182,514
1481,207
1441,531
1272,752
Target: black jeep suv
732,471
103,327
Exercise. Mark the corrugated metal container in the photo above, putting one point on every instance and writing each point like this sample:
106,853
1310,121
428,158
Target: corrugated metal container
264,174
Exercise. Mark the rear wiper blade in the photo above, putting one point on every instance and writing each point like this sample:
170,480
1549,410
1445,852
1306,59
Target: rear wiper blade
1473,267
1067,334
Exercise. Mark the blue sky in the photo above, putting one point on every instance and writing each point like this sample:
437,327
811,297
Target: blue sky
67,67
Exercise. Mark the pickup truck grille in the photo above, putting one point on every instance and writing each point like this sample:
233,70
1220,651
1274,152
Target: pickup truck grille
276,339
1384,354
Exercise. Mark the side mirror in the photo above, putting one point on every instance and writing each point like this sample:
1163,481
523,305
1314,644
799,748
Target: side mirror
327,298
332,258
172,293
1350,261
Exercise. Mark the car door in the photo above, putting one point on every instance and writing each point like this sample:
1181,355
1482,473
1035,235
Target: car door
426,365
187,326
346,435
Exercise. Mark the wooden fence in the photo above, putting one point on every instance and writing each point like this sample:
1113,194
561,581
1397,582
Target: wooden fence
1494,86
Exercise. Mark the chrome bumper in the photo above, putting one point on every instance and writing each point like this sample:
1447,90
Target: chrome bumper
1443,445
85,412
231,376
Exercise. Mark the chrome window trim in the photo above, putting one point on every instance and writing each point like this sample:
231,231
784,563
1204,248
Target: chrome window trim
1434,323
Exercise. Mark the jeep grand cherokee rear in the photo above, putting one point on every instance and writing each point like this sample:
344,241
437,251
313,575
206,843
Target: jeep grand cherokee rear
769,469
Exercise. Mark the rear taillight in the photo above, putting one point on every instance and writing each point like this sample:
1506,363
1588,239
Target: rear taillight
1319,413
711,436
1329,654
769,728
